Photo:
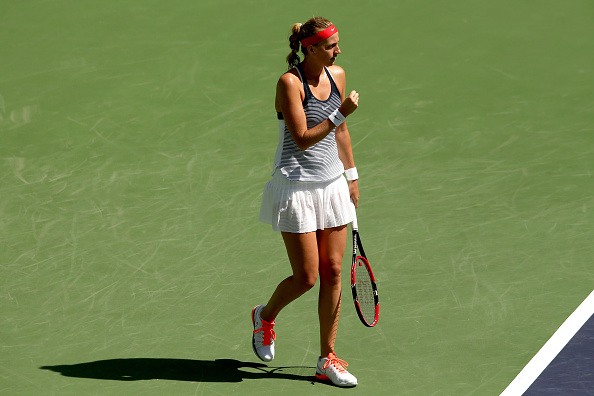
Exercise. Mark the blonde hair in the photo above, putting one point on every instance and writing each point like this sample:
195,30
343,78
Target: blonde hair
299,31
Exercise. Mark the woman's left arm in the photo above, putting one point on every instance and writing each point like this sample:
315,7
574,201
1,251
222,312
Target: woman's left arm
345,152
343,137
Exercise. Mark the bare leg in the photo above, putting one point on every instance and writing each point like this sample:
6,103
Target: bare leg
302,250
331,246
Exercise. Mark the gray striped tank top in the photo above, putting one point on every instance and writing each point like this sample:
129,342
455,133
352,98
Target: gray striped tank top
319,162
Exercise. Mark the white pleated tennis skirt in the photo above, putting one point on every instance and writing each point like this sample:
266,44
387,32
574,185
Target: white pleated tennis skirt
300,207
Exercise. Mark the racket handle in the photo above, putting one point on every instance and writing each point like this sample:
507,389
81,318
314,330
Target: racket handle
355,225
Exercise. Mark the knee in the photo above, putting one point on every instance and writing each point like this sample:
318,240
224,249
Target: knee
307,281
330,273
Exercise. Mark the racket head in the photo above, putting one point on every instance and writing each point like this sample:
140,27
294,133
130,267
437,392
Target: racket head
364,289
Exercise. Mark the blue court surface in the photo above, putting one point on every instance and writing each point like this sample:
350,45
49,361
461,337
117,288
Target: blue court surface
566,361
572,371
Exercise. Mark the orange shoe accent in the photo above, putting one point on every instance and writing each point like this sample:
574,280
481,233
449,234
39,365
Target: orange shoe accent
267,330
322,377
334,369
339,364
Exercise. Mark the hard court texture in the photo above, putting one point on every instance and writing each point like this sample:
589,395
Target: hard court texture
135,141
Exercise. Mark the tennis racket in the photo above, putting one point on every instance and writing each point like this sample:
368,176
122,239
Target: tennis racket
363,283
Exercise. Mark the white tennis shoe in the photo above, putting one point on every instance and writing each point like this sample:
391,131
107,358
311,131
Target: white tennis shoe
334,369
263,337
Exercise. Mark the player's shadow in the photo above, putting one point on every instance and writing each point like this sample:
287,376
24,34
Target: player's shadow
219,370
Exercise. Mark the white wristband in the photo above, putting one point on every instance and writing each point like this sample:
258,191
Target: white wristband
351,174
336,117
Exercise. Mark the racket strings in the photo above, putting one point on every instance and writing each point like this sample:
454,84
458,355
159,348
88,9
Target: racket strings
365,293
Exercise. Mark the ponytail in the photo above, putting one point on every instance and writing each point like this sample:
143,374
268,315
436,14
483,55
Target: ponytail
294,43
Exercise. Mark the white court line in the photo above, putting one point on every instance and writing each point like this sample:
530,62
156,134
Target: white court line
553,346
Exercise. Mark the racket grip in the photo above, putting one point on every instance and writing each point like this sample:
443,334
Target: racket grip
355,225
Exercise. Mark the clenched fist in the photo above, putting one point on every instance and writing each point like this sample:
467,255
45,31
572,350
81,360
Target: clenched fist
350,104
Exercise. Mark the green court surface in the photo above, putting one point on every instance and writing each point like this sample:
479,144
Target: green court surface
135,141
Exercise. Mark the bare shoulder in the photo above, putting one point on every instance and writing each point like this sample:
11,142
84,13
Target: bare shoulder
289,79
337,71
338,74
288,89
339,77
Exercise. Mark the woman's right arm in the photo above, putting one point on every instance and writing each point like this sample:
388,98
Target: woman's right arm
289,97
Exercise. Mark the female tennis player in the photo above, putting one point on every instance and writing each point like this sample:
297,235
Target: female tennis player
308,199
